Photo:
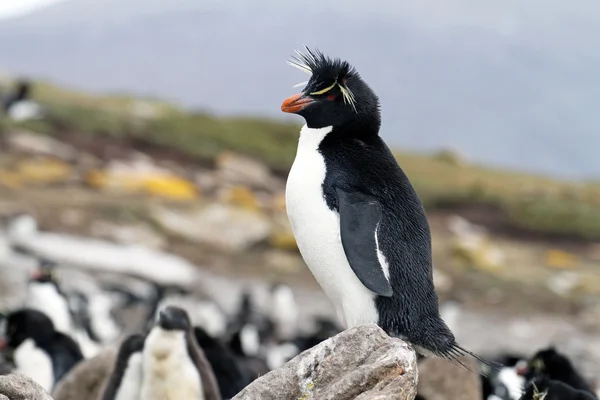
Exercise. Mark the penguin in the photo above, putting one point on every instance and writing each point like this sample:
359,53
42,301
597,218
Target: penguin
38,350
283,311
18,106
232,375
543,388
550,363
359,224
44,294
125,381
174,366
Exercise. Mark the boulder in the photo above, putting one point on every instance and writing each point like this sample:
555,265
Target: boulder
440,379
233,168
33,143
222,226
20,387
361,363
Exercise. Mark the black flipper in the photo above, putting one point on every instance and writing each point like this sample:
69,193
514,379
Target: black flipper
359,216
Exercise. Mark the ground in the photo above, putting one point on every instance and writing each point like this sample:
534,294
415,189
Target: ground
545,227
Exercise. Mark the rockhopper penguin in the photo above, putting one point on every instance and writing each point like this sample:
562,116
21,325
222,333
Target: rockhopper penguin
358,222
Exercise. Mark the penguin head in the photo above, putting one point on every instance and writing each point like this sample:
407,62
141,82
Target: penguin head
45,273
173,318
27,324
23,89
548,362
335,94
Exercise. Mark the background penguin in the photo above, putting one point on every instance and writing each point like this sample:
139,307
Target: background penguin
125,381
174,366
32,340
555,366
358,222
44,294
232,375
87,380
18,106
283,311
543,388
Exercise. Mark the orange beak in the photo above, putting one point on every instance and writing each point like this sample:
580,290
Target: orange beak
295,103
36,274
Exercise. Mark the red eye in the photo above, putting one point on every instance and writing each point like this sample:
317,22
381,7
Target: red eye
330,97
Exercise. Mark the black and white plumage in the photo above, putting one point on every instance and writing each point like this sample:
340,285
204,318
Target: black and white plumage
173,364
543,388
37,349
231,374
18,106
551,364
358,222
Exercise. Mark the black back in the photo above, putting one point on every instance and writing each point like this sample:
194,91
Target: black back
64,352
231,375
555,366
21,92
27,323
555,391
358,160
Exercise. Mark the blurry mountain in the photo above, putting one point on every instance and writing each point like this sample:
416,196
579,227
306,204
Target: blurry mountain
512,83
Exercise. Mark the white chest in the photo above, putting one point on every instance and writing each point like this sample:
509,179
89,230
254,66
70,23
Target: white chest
317,232
34,363
169,373
132,379
45,298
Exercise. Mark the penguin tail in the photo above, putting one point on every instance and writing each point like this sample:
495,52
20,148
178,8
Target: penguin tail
456,351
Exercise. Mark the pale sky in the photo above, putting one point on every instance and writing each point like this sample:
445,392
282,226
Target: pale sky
11,8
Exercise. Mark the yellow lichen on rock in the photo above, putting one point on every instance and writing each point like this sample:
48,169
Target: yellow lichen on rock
560,259
283,240
171,187
10,179
42,171
241,196
162,185
479,254
114,182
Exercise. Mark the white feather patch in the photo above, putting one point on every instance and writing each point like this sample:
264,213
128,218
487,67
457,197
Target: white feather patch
317,232
169,372
381,257
34,362
131,383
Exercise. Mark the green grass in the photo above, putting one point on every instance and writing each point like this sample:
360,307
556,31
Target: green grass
533,202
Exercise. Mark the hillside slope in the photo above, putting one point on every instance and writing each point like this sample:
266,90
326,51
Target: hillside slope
495,82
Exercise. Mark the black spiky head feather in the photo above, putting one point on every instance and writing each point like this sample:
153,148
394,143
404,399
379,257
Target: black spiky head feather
335,93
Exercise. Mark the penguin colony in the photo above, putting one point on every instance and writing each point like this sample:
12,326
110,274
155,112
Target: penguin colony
361,230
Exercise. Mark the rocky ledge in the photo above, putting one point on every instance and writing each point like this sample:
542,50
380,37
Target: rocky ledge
361,363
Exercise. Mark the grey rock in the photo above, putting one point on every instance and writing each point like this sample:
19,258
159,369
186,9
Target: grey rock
361,363
440,379
218,225
20,387
32,143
